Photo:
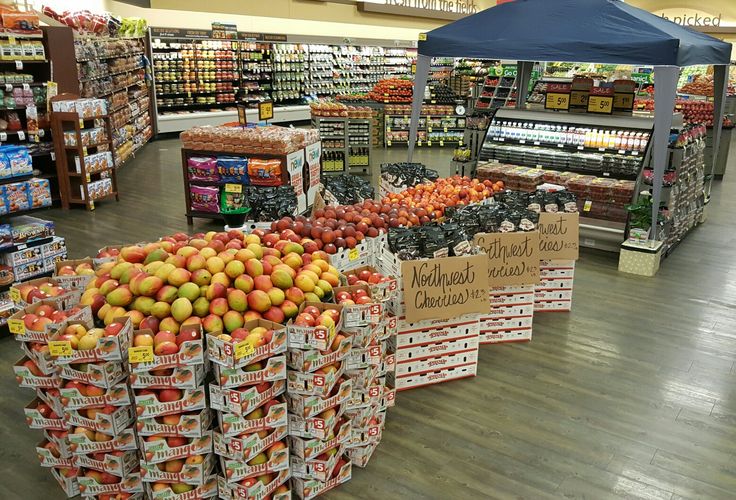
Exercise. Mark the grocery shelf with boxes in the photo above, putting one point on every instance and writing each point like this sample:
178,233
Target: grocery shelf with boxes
199,78
256,174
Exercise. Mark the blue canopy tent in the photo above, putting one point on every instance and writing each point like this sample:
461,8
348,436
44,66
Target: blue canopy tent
591,31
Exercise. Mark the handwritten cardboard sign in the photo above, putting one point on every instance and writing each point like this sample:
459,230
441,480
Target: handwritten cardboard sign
513,258
558,236
445,287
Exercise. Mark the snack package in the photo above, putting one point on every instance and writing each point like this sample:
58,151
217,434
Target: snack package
19,159
5,168
39,193
233,201
3,205
202,168
264,172
204,198
16,195
234,169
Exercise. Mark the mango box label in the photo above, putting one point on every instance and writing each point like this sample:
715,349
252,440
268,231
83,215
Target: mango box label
445,287
513,258
558,236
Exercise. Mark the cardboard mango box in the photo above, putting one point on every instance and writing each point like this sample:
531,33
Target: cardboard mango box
307,489
104,374
309,406
196,469
117,395
158,450
118,465
36,420
48,459
311,448
22,333
246,446
309,360
236,491
108,348
129,484
182,377
244,400
273,369
237,355
108,423
208,489
313,384
316,468
314,337
148,405
191,352
235,470
26,378
232,424
80,444
187,425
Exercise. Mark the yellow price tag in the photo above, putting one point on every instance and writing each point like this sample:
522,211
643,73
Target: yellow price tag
623,101
234,188
557,101
445,129
429,143
442,143
60,348
81,123
140,354
578,98
243,349
353,254
587,205
16,326
422,37
600,104
14,294
388,129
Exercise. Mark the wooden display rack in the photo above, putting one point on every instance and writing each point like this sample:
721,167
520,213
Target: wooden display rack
69,179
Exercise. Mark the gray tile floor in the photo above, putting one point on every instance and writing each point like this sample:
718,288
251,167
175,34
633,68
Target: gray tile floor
631,395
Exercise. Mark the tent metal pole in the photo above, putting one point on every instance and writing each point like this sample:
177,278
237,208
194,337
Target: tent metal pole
664,102
720,81
420,83
524,74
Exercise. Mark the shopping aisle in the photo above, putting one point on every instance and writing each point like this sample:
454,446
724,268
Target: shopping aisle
632,394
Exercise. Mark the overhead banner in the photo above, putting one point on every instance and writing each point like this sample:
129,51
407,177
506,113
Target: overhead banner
445,287
513,258
558,236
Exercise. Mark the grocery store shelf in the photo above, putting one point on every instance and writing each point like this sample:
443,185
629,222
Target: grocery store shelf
24,61
183,121
128,54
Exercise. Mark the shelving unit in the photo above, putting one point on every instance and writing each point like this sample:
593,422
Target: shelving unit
596,150
434,129
81,184
23,94
115,69
496,92
346,144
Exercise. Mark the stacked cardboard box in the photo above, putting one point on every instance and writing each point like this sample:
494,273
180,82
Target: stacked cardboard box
173,421
317,391
510,317
554,291
252,422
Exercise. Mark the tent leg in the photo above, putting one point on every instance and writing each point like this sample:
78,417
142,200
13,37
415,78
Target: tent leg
720,81
420,83
664,103
522,88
